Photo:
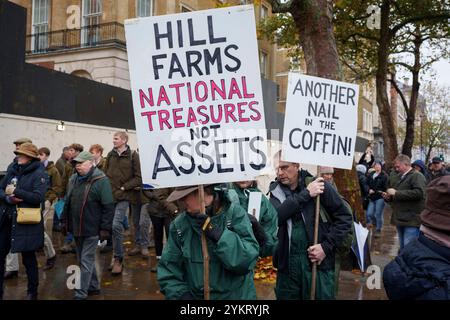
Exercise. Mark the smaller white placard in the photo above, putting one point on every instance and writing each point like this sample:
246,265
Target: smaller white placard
254,204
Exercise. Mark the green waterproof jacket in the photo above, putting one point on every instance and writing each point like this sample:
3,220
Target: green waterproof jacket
268,217
232,258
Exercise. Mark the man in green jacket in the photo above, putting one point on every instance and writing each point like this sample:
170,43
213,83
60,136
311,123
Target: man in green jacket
232,248
406,194
268,217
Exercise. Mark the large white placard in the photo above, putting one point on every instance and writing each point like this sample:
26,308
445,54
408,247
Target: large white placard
197,98
320,122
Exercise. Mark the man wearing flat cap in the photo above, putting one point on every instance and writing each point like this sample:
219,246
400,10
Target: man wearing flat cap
233,249
88,214
437,168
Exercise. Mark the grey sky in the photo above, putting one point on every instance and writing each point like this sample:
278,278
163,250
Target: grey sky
442,69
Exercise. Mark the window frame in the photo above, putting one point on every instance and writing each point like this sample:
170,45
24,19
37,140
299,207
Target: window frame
90,34
264,9
138,7
40,29
263,71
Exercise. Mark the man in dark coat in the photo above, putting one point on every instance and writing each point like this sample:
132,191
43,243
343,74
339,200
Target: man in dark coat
88,215
24,186
124,172
294,201
406,194
61,162
422,270
437,168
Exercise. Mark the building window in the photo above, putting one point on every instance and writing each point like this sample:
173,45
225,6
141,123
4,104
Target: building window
263,64
367,121
264,12
92,15
144,8
41,13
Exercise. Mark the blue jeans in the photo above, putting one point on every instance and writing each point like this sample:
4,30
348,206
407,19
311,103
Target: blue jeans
120,213
86,247
406,235
375,212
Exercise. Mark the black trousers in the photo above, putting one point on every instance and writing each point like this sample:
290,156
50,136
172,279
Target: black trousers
28,259
159,225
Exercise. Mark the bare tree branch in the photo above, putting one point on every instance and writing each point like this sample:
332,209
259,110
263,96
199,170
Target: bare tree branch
426,17
402,96
405,65
372,38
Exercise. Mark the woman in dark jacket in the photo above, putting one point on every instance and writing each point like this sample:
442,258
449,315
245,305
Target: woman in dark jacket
367,159
24,186
161,213
377,182
361,170
419,166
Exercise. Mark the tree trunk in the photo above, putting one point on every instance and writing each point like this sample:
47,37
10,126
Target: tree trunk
411,114
389,136
314,20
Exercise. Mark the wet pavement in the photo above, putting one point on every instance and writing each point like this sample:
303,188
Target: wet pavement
138,283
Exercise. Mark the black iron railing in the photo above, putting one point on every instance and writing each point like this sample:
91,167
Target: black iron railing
88,36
